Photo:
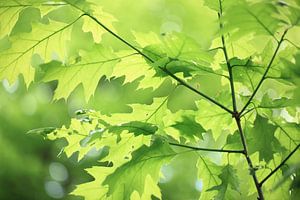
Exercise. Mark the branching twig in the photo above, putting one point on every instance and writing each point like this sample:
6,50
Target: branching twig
266,72
279,166
236,114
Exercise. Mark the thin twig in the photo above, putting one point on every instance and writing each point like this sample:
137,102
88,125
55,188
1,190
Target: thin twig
246,112
206,149
292,43
195,90
266,72
227,61
279,166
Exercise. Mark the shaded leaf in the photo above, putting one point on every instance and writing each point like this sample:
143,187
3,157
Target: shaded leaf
189,128
229,181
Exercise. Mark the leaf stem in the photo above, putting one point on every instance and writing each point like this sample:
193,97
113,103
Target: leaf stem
279,166
266,72
206,149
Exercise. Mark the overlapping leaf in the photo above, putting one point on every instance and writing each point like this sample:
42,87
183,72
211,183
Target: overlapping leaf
229,182
92,66
61,42
132,175
264,140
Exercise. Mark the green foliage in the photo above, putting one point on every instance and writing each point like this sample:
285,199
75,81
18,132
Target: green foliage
132,175
229,182
231,96
189,128
266,145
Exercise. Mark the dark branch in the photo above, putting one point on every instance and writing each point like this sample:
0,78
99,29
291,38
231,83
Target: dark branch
206,149
236,114
279,166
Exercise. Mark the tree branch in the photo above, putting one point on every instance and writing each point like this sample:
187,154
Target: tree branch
236,114
206,149
182,82
227,61
279,166
249,161
151,60
266,72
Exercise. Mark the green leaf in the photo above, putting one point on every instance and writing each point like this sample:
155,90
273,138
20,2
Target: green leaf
264,140
131,176
213,118
124,95
87,71
215,4
229,180
93,27
43,40
258,18
119,154
41,131
26,18
178,53
290,70
76,44
189,128
267,102
75,136
207,173
64,14
135,127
